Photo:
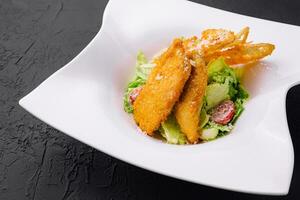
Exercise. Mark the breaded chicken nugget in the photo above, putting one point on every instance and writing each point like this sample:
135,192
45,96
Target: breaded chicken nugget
163,88
187,109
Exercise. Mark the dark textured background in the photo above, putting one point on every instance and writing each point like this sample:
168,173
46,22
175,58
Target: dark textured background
37,37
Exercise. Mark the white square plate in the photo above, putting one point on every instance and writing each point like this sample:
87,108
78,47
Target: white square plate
84,99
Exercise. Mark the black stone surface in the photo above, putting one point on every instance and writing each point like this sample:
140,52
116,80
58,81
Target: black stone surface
37,162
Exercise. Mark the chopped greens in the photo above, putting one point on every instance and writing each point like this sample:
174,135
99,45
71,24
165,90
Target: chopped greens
133,84
223,83
171,132
142,70
204,118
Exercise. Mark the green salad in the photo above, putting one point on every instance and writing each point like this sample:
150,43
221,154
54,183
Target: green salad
224,95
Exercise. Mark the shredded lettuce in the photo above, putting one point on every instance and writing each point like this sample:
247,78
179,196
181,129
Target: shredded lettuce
220,74
142,70
143,67
171,132
239,72
133,84
239,108
221,128
242,93
204,118
140,59
216,66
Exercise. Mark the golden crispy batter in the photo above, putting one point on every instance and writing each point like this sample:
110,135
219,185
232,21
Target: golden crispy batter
163,88
232,47
213,39
188,107
243,53
213,43
173,74
242,36
210,41
239,39
191,46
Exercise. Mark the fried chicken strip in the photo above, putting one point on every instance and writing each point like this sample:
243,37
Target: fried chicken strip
188,108
212,40
163,88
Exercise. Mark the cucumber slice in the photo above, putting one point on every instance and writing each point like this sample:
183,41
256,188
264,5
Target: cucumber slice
209,134
216,93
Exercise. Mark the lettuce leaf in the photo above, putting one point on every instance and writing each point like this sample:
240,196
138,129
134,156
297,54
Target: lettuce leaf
216,66
133,84
239,108
220,73
204,118
221,128
141,59
241,97
171,132
242,93
239,72
142,70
